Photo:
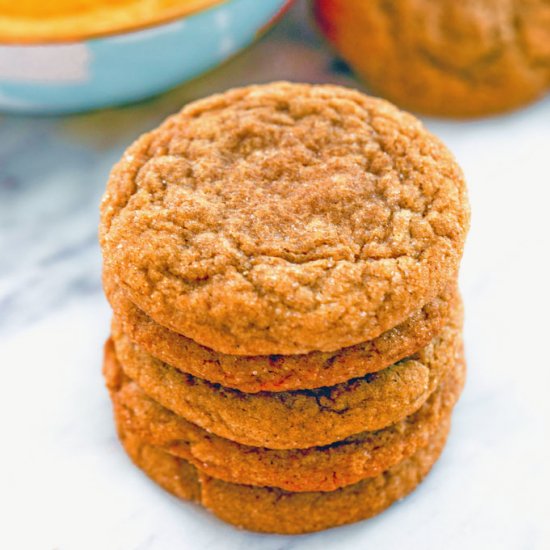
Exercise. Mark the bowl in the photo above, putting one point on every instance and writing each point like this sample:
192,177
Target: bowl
130,65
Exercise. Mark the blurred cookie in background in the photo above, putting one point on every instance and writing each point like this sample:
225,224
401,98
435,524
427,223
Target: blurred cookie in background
445,58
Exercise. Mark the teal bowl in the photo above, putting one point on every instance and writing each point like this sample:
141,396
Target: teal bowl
128,66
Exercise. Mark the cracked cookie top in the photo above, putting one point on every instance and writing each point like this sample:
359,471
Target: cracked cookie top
283,219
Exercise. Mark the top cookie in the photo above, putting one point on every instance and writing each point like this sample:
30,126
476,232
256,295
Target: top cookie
283,219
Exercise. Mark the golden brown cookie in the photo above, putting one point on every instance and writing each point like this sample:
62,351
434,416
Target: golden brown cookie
281,372
315,469
271,510
283,219
450,58
301,418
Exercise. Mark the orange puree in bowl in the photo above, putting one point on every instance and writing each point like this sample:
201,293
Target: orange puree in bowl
35,21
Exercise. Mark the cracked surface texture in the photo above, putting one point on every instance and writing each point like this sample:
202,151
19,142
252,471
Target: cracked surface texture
301,418
284,219
281,372
315,469
272,510
460,59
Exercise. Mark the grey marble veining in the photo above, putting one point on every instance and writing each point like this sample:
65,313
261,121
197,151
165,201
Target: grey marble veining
64,481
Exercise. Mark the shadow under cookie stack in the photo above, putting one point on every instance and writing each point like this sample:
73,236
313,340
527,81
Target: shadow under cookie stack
282,264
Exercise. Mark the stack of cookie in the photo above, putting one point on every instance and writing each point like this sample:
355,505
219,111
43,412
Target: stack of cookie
286,344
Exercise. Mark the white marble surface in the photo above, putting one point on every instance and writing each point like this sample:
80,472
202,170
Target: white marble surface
64,481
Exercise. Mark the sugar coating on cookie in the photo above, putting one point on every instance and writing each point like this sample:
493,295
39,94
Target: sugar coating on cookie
448,58
283,219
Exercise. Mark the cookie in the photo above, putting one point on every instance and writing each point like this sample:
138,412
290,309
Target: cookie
301,418
449,58
315,469
271,510
284,219
281,372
